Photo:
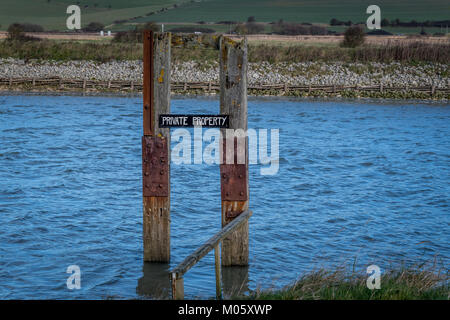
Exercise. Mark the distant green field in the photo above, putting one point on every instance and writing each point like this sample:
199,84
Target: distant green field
319,11
51,14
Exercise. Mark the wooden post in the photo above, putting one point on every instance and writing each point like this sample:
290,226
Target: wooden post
84,84
217,268
233,101
156,193
177,287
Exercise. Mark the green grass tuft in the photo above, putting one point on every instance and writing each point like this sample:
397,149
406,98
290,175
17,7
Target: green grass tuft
404,284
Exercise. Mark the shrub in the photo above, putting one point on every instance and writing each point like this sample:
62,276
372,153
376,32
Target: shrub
136,34
29,27
94,27
127,36
385,22
253,28
249,28
147,26
334,22
354,36
318,30
16,32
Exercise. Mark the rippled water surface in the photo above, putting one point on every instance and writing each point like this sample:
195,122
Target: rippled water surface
359,183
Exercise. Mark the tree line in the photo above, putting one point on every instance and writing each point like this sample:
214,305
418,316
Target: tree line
395,23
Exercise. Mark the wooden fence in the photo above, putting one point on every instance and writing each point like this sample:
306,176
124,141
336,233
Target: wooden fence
213,243
207,87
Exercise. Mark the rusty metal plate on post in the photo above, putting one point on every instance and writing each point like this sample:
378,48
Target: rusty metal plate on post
233,182
155,167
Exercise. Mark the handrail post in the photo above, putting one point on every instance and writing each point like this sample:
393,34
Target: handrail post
218,271
177,287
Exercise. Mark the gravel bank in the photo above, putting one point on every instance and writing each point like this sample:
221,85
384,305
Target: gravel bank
315,73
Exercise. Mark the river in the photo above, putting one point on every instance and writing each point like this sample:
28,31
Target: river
360,182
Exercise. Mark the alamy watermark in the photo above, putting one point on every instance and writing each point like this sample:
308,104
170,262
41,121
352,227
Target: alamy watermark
74,280
73,22
236,142
374,280
374,21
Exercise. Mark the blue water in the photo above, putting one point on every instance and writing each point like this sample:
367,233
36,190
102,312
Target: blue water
359,183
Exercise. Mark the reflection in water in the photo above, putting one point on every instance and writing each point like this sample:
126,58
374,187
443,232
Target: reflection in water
234,281
155,283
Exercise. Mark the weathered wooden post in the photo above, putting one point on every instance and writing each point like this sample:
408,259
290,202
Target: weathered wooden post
177,287
155,147
234,177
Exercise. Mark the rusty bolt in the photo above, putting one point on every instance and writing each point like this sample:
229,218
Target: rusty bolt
241,193
160,185
161,172
146,185
146,173
224,176
240,176
227,194
146,107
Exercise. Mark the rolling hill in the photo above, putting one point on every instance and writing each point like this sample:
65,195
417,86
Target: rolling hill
51,14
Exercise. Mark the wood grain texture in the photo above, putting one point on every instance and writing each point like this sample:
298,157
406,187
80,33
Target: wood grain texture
218,272
177,288
147,85
161,81
156,226
156,223
233,101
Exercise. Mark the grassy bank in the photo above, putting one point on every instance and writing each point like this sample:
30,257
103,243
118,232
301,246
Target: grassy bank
103,51
405,284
